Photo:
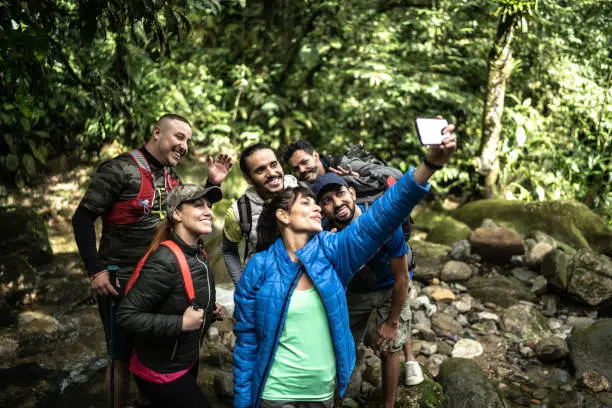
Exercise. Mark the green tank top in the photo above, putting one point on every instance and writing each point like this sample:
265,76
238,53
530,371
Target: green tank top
304,366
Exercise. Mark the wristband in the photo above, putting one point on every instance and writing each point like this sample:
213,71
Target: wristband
95,275
430,165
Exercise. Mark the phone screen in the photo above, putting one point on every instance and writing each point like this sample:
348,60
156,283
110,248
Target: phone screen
430,130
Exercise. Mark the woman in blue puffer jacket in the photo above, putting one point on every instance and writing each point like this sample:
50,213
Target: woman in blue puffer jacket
293,343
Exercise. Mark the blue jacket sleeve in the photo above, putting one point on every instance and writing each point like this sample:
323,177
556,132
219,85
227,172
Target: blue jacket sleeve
350,248
245,350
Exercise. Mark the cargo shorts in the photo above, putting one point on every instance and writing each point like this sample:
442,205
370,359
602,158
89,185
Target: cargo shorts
361,305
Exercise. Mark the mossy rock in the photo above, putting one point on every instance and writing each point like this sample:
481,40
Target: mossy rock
568,221
467,386
591,349
24,232
501,290
442,228
428,394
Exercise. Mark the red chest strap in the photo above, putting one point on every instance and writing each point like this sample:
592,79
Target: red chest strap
183,266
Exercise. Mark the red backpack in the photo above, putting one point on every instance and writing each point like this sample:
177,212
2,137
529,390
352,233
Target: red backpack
132,210
185,272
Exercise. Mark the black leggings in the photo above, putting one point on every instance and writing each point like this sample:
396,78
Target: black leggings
184,392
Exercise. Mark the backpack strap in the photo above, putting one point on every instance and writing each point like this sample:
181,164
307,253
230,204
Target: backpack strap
183,266
246,221
140,160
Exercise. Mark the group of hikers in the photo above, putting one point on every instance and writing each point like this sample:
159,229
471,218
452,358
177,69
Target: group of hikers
324,248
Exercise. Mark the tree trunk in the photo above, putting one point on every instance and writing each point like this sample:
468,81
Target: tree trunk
500,67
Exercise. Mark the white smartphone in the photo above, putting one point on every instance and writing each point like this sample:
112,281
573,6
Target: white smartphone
430,130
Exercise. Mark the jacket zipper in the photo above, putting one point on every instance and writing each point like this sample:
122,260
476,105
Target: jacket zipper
205,311
207,303
277,334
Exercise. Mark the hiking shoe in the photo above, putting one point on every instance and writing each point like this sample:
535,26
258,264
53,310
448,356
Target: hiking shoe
414,374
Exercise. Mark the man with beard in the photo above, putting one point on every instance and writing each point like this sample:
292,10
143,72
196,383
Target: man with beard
128,193
308,165
381,285
265,175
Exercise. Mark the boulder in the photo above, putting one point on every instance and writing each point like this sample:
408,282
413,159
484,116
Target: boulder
536,255
568,221
555,268
445,325
525,321
439,293
448,231
17,278
467,348
591,349
24,233
454,271
461,250
496,245
551,348
500,290
430,258
591,277
467,386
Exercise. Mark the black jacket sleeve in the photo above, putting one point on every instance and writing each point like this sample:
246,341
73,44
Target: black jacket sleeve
155,283
83,225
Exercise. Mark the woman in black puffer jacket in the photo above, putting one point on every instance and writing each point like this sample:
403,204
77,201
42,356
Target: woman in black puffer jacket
167,329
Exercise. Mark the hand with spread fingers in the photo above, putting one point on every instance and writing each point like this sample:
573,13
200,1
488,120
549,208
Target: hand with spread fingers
219,168
439,155
218,312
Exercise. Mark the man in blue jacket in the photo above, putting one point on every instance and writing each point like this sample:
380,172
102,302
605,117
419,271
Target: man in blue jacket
381,285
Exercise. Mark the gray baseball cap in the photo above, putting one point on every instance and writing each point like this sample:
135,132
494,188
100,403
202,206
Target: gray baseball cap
191,192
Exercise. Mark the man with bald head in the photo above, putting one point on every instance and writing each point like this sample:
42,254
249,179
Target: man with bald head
128,193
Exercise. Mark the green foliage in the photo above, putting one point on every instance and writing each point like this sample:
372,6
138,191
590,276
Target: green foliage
79,75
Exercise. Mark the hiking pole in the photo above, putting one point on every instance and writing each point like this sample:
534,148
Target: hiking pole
111,304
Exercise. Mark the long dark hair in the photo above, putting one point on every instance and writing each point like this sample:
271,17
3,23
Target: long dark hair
267,227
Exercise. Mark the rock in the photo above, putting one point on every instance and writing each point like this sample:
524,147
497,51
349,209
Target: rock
373,371
224,384
8,316
461,250
428,394
467,348
551,349
225,297
216,354
488,223
455,271
426,333
35,330
9,343
591,277
496,245
542,237
24,233
568,221
524,321
554,324
539,285
444,348
213,333
445,325
536,255
462,320
448,231
524,275
487,316
430,259
527,352
466,385
595,381
354,387
17,278
579,322
428,348
500,290
420,318
549,305
423,301
555,269
434,362
463,305
591,348
439,293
